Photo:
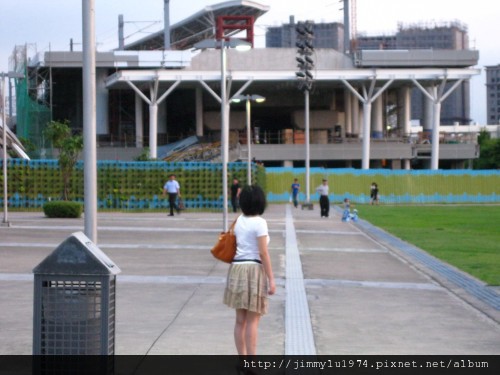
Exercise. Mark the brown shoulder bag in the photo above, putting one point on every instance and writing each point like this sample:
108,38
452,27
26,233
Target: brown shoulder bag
225,248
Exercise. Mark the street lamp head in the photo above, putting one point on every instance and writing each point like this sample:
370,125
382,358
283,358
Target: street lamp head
254,98
258,98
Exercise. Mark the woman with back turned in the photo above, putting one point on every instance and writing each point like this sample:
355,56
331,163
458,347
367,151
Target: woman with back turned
250,277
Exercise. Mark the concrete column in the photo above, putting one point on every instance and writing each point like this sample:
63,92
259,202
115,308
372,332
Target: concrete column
355,115
348,113
404,118
428,121
162,117
404,121
377,117
153,125
139,122
199,111
435,136
367,109
428,111
102,105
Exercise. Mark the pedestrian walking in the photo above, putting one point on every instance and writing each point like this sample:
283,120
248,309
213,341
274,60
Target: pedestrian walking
173,189
235,194
374,193
295,192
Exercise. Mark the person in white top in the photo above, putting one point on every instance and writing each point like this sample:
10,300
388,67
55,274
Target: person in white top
324,201
250,278
173,189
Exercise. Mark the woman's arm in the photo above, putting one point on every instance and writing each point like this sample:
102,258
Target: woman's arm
266,262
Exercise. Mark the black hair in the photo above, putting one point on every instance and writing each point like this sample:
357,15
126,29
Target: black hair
252,200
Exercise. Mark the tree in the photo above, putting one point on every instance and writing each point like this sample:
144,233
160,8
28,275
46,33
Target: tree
489,157
69,147
144,156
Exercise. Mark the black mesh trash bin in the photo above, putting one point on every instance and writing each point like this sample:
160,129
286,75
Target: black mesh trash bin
74,300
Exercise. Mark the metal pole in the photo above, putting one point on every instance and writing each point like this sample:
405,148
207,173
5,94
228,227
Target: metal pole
249,142
166,23
224,133
4,149
308,182
347,28
121,37
89,119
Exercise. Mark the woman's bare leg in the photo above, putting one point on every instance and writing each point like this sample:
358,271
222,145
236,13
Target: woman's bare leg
239,331
252,325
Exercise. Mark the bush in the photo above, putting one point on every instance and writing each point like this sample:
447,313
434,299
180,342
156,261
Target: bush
63,209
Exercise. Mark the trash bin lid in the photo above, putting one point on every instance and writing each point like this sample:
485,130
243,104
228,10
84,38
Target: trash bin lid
77,255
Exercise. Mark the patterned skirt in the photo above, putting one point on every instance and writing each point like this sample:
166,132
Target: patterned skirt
246,288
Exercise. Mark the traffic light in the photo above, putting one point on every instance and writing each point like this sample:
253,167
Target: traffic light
305,49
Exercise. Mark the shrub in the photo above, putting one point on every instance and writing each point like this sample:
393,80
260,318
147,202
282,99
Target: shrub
63,209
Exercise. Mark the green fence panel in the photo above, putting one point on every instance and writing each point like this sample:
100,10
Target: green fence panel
138,185
124,185
395,186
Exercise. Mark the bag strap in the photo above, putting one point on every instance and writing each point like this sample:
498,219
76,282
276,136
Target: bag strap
231,228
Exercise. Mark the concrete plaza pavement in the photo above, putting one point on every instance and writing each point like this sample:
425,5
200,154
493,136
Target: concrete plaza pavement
343,288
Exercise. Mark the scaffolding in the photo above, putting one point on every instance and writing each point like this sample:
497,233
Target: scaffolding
33,99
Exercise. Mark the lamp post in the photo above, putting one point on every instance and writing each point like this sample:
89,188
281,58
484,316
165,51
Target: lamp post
248,99
4,144
223,44
89,119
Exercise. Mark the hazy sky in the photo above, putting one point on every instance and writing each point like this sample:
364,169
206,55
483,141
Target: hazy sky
50,24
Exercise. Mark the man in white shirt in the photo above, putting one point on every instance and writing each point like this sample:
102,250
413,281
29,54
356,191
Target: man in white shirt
324,201
173,189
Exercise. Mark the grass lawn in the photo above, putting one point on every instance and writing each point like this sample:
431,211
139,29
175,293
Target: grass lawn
467,237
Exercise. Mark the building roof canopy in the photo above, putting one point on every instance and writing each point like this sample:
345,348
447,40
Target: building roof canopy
199,26
267,65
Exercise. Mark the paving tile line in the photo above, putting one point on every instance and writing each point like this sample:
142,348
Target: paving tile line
221,280
470,285
299,338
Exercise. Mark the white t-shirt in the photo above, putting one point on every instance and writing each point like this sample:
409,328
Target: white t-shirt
247,230
322,189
